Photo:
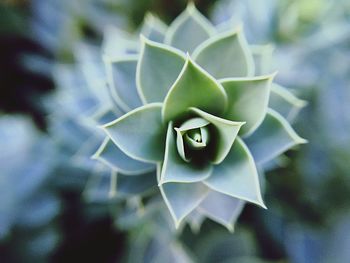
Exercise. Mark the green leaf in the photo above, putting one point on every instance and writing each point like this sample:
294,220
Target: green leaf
248,99
222,208
127,186
182,198
158,67
285,102
140,133
193,88
189,29
175,169
109,154
226,55
153,28
237,176
121,78
193,123
227,133
273,137
262,56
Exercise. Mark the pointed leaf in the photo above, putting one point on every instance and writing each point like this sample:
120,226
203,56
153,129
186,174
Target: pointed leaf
193,88
175,169
226,55
247,100
157,70
237,176
189,29
285,102
136,185
273,137
109,154
122,81
140,133
227,133
222,208
153,28
182,198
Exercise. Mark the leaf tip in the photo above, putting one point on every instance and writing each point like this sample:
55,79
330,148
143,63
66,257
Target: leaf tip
230,228
143,39
149,17
239,28
302,141
273,75
191,7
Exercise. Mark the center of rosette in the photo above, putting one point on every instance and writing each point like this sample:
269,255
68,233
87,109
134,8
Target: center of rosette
192,136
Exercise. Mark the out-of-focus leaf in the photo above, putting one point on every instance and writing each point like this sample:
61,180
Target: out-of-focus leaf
188,30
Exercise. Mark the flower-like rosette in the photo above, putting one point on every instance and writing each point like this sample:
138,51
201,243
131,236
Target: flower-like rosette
199,116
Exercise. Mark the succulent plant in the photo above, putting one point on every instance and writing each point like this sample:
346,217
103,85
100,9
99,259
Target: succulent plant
195,117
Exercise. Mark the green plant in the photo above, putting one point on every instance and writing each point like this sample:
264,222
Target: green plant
195,117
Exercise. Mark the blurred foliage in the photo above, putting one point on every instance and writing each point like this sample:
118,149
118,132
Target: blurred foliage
42,213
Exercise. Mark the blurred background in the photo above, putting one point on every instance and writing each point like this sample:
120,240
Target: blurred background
51,208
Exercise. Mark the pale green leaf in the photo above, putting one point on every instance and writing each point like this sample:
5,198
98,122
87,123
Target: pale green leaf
222,208
153,28
189,29
226,134
193,123
285,102
109,154
158,67
226,55
182,198
237,175
176,169
193,88
273,137
122,81
248,99
140,133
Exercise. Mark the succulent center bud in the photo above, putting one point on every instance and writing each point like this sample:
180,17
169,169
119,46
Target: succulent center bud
195,135
192,135
196,138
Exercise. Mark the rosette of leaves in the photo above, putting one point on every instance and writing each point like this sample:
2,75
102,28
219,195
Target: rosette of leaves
197,119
